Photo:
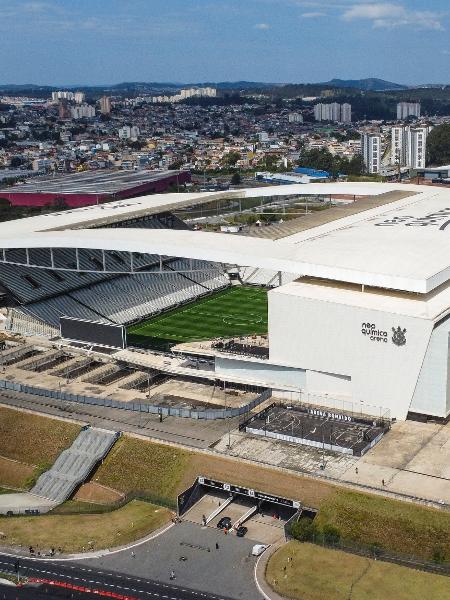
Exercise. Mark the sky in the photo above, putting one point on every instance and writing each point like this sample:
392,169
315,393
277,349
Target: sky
88,42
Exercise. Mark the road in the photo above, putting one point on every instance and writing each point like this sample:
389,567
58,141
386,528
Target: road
194,433
107,582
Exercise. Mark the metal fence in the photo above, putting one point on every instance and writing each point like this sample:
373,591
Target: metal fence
207,414
376,552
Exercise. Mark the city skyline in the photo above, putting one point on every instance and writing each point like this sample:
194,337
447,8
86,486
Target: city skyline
55,43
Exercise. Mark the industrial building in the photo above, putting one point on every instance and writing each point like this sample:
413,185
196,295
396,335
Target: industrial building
91,187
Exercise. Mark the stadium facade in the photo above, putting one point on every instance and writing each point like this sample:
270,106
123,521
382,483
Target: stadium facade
359,313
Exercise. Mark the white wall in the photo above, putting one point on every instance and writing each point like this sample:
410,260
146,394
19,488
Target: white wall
262,373
431,396
324,336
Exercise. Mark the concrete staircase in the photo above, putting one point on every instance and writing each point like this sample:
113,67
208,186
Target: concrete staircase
74,464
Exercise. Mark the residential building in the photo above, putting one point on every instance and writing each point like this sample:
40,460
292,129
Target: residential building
82,111
295,118
79,97
62,95
416,145
340,113
63,109
408,109
128,132
408,146
105,105
371,151
346,113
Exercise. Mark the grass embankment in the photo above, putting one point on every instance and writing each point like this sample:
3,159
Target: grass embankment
161,472
315,573
231,312
397,526
74,532
33,441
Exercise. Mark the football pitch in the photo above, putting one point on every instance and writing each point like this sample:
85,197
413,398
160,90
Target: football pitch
236,311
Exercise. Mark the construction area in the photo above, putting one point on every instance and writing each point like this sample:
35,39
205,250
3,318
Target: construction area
77,372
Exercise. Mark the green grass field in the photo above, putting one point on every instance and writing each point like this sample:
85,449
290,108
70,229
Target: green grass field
232,312
307,572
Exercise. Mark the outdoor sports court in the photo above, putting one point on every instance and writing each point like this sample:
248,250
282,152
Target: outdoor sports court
328,430
236,311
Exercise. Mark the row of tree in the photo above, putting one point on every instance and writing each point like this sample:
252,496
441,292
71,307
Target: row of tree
323,160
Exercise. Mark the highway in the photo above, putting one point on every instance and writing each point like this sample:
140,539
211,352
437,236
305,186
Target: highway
99,582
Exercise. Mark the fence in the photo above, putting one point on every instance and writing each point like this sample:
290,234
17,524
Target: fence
376,552
207,414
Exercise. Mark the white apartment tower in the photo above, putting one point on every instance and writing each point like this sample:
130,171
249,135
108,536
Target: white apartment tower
408,109
128,132
340,113
105,105
416,146
295,117
346,113
79,97
371,151
408,146
82,111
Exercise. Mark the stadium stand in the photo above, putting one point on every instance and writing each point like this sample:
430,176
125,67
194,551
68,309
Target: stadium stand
46,294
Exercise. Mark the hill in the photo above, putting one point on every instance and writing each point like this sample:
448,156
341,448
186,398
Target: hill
370,84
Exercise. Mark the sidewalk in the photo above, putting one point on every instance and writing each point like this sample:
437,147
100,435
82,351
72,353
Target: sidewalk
23,552
260,573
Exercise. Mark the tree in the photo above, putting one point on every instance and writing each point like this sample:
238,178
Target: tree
236,179
438,145
16,161
304,530
231,159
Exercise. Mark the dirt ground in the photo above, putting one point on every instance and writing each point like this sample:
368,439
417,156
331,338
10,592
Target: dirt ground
310,492
97,494
13,473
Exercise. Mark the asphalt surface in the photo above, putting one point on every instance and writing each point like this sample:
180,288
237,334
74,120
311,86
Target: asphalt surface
194,433
44,592
94,579
190,550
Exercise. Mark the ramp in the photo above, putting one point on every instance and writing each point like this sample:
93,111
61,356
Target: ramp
74,464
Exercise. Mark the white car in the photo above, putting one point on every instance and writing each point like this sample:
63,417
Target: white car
258,549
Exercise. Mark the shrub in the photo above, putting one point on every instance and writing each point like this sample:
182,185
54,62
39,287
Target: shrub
303,530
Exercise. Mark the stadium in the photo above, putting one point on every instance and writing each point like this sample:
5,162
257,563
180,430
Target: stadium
350,310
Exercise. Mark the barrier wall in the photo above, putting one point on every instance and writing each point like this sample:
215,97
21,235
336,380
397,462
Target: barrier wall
208,414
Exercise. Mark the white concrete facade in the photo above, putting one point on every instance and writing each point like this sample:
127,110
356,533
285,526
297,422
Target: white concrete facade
349,343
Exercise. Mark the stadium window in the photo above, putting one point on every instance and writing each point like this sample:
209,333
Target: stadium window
35,284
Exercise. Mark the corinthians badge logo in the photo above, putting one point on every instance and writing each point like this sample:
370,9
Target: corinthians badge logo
399,336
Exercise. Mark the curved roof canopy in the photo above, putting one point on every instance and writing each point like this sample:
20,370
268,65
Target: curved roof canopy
402,245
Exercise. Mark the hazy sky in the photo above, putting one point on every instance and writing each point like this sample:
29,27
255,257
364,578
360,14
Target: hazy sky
60,42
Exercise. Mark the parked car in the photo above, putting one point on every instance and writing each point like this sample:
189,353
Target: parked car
241,531
258,549
224,523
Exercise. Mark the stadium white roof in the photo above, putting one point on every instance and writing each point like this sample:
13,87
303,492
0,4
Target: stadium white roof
403,245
